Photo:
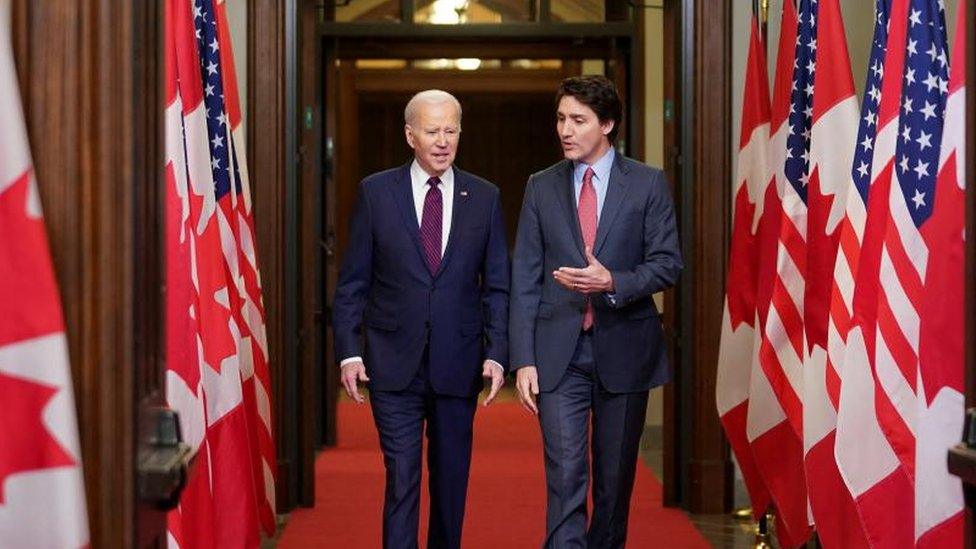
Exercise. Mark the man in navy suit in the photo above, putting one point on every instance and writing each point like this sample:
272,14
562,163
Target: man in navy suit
596,238
423,290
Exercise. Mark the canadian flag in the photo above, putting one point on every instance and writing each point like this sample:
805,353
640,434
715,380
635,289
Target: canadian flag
737,350
217,357
42,493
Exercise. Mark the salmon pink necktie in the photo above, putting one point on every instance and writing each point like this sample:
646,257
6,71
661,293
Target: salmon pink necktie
587,219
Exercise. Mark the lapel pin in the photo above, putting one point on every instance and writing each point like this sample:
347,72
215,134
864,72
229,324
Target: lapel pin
464,193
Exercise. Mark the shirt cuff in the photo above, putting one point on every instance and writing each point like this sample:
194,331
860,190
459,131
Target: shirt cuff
494,363
350,360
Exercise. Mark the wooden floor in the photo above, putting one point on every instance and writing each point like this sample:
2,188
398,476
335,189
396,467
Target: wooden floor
722,531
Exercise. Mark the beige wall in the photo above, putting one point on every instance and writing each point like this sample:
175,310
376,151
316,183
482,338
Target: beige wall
237,20
654,137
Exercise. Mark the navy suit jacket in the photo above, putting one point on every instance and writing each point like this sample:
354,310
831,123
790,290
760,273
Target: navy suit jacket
636,240
388,306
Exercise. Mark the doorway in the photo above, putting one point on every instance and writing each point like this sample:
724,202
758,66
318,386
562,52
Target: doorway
508,128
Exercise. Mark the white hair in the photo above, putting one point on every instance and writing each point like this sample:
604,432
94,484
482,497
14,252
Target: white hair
429,97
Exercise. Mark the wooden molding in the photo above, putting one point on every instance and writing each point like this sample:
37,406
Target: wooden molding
703,457
266,157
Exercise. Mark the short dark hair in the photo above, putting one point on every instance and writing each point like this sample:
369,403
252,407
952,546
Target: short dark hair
598,93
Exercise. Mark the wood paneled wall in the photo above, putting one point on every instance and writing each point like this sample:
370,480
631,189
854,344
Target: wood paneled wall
90,78
288,274
266,163
698,473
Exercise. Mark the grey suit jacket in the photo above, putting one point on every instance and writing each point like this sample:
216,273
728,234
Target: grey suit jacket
636,240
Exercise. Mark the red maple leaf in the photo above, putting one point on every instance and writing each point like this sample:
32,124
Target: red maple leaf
942,345
29,301
742,266
767,246
181,328
821,256
214,280
27,444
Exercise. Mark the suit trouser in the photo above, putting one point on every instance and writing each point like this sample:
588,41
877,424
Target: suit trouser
617,424
400,418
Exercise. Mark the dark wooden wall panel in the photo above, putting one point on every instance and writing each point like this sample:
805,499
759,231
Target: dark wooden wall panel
278,231
265,152
672,167
310,265
703,469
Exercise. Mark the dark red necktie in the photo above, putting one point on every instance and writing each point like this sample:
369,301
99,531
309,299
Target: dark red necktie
587,219
431,225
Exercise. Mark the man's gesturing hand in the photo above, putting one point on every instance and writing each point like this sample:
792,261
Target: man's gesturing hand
593,278
527,383
353,373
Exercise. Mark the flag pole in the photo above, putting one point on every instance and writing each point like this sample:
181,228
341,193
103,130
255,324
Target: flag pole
764,22
760,11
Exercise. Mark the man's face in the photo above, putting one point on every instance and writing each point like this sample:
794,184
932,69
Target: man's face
433,135
581,134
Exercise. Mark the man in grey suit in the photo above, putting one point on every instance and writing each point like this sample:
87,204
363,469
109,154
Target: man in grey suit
596,238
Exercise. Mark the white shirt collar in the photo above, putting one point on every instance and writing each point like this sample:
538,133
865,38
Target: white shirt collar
419,177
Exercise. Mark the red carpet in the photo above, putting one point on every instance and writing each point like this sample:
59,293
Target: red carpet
506,493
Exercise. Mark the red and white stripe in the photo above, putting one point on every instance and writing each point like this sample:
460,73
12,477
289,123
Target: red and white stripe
875,443
242,257
776,445
832,143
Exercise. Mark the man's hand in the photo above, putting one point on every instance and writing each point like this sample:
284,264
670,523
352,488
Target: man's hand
351,374
527,383
493,371
594,278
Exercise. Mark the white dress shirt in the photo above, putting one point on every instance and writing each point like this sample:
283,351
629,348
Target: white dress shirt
418,182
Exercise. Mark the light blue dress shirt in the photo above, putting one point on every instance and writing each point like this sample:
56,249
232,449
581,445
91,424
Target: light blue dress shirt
601,179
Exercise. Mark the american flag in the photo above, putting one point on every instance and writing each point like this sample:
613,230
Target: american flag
841,381
775,422
832,146
881,392
858,293
864,456
218,376
42,492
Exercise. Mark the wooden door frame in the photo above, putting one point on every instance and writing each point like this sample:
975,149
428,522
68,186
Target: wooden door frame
698,469
281,147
